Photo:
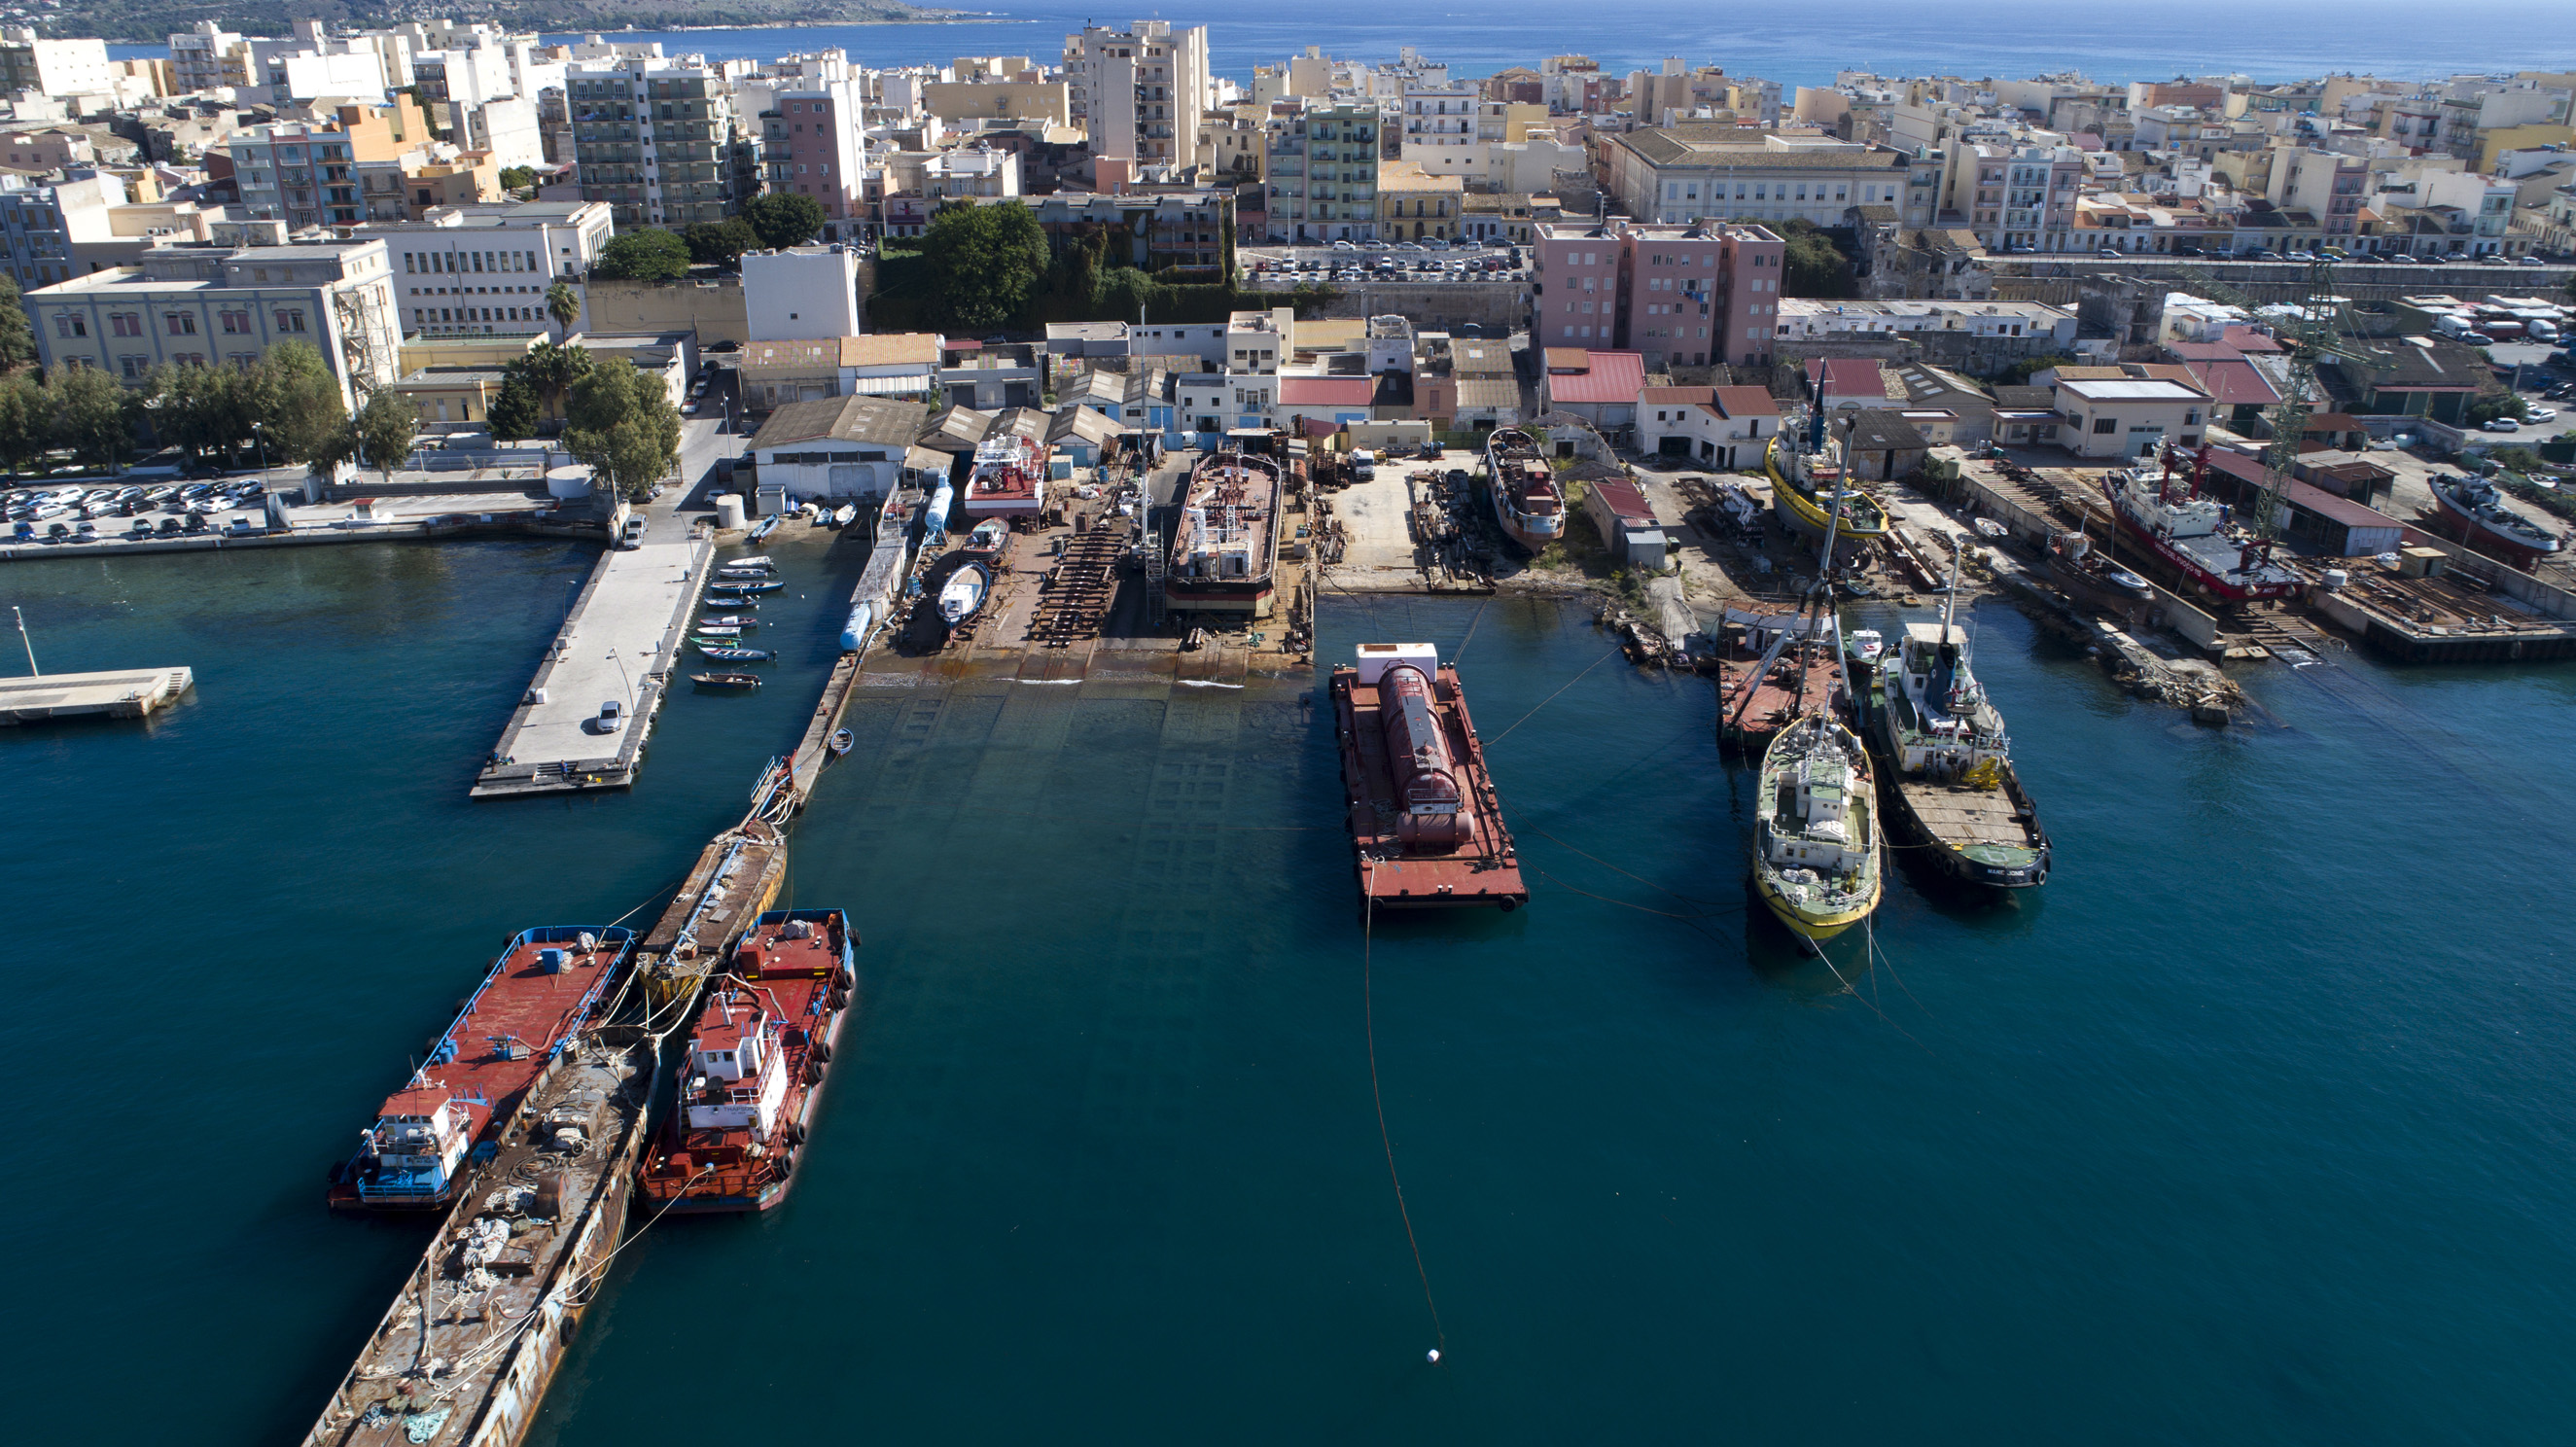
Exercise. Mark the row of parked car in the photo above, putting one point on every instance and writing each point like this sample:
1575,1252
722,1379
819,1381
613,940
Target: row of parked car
72,513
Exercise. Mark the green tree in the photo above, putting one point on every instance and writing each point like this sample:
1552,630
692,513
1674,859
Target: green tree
93,415
1813,265
2019,372
514,412
564,305
2488,406
26,422
720,243
654,255
17,339
384,428
194,408
517,178
296,401
551,369
983,262
783,218
622,426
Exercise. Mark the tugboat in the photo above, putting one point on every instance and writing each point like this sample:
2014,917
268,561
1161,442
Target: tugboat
756,1064
2192,534
1225,552
1426,829
2472,510
1947,764
1528,504
1815,829
987,539
453,1111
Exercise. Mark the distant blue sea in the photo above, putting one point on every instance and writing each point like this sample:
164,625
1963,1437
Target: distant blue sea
2274,39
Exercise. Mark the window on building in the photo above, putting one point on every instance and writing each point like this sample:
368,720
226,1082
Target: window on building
125,324
2106,425
290,319
181,324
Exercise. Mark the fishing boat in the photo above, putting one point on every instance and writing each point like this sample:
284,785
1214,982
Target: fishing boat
2177,522
1426,827
1007,479
509,1034
761,561
848,514
2089,576
1529,506
735,585
733,620
1866,645
987,539
1946,762
727,653
1804,482
766,526
962,596
1815,829
840,741
757,1060
1225,552
2472,509
727,682
718,630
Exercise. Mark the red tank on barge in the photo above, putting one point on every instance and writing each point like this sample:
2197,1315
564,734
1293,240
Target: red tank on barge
1425,824
754,1075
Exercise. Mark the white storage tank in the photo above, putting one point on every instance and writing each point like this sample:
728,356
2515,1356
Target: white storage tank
729,511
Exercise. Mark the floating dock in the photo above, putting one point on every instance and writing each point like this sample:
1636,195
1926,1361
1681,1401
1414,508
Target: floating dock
131,693
621,642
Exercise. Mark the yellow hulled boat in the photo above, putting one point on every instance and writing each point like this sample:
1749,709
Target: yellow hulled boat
1799,501
1815,832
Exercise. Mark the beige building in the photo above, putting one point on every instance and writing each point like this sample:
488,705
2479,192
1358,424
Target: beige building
964,104
206,305
1413,206
2127,411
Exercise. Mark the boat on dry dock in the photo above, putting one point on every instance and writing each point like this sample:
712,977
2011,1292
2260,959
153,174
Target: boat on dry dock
2195,534
452,1112
2472,510
1426,827
1225,553
1529,505
756,1065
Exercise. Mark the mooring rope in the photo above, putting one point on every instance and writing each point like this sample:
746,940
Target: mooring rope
1368,1009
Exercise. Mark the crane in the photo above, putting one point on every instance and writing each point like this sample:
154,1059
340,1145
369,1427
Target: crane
2308,332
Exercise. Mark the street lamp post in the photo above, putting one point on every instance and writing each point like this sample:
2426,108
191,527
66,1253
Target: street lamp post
259,434
614,657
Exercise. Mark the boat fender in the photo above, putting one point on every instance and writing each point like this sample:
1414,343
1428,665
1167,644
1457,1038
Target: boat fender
796,1132
823,1051
842,979
813,1072
839,999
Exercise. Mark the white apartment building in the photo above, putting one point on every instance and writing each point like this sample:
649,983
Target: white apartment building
219,305
1679,174
805,293
53,67
484,270
1139,92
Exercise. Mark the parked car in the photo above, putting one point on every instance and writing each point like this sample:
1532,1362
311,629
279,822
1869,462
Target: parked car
631,535
2529,261
612,716
2477,339
2540,414
2500,424
1344,246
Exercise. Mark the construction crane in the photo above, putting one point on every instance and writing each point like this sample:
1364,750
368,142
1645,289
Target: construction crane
2307,333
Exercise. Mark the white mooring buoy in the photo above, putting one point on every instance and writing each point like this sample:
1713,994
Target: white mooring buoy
1433,1356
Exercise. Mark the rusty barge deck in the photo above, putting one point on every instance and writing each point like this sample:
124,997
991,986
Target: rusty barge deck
1486,873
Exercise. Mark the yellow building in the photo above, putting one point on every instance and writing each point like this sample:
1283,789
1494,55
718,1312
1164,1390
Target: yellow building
1413,206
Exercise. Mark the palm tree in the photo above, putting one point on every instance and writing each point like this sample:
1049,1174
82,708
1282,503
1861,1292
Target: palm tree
564,305
552,369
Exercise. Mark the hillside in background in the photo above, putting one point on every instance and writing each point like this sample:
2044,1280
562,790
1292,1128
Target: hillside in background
154,21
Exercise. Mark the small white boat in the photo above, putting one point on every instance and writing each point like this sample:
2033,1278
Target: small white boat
758,562
848,514
720,630
731,620
1866,645
962,596
1990,529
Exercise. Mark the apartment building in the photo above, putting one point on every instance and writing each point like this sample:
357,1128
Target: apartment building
1413,206
1323,175
53,67
813,140
658,139
1139,92
1681,296
217,305
303,174
1680,174
2328,185
484,270
208,57
805,293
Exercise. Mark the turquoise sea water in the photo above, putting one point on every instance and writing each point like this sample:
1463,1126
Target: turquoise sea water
2250,1128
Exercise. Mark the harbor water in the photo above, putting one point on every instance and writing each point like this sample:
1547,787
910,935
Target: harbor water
2250,1127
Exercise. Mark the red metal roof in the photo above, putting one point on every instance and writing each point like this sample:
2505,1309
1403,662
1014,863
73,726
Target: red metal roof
2234,381
2302,495
1326,391
1853,377
1607,377
1626,500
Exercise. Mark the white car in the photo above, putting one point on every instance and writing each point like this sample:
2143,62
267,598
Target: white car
2540,414
612,716
2500,424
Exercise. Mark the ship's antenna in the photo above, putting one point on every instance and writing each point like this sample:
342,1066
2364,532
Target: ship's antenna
1951,603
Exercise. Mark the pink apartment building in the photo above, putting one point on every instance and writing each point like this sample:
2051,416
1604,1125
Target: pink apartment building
812,148
1681,296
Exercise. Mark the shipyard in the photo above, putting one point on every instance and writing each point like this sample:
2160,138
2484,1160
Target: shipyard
1276,746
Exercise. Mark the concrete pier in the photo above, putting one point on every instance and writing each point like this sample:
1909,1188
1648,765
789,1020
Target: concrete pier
621,643
131,693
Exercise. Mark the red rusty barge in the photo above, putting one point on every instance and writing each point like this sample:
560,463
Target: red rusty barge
450,1116
1425,824
1796,675
754,1076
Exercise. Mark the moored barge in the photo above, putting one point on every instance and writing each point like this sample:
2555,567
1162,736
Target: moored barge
753,1078
506,1037
1426,827
1796,674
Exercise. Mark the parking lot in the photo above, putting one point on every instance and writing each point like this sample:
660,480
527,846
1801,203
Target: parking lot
80,512
1350,262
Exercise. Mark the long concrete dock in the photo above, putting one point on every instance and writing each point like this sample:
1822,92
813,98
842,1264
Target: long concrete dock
128,693
620,643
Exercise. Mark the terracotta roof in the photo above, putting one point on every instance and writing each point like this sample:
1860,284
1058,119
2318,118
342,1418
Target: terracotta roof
1326,391
1746,402
1626,501
1607,377
1568,359
1671,396
893,349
